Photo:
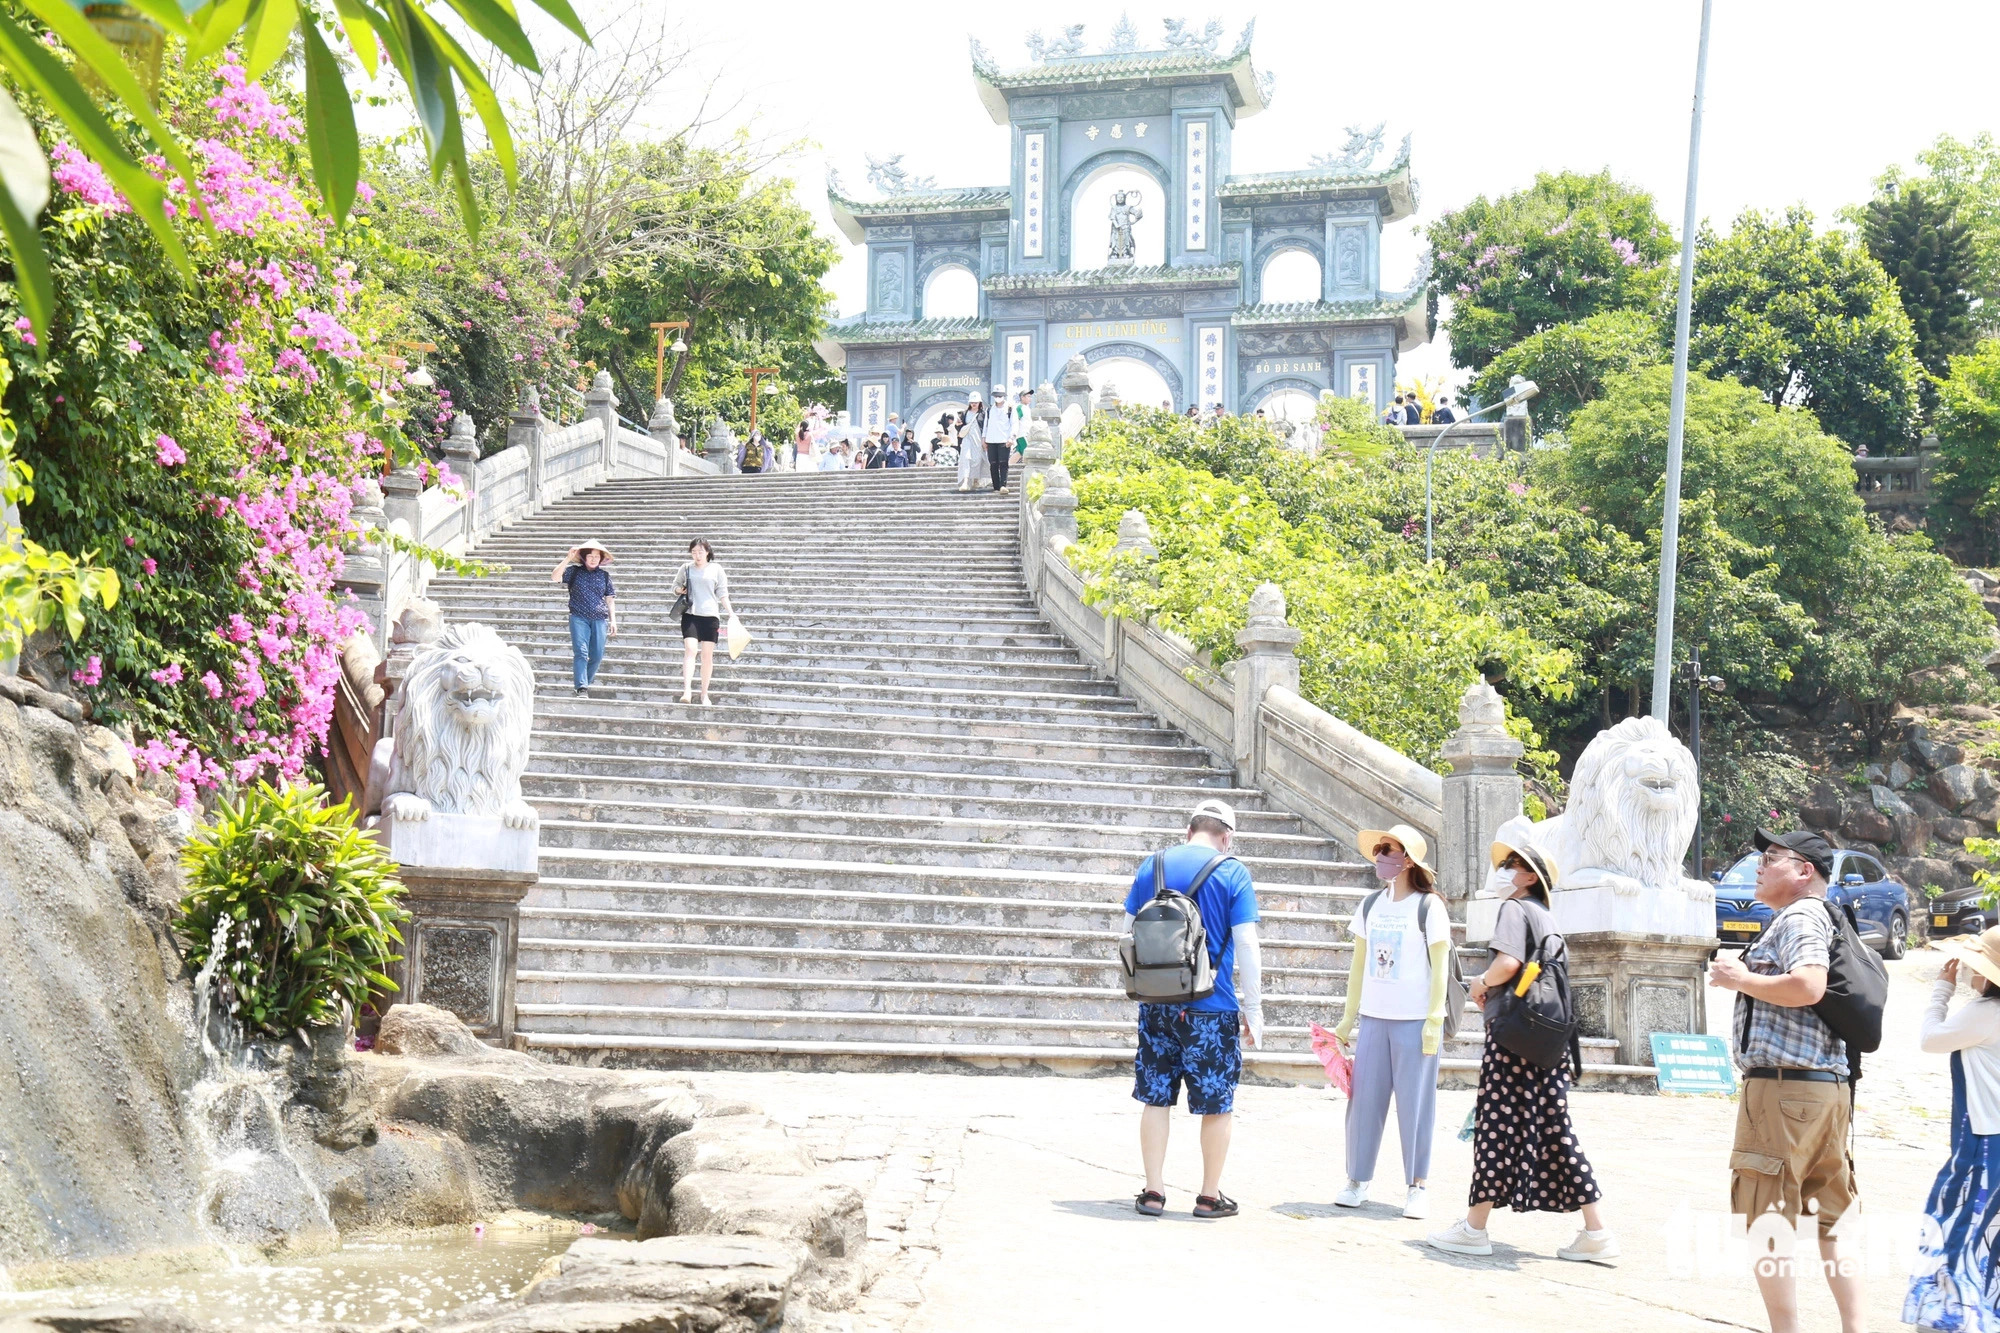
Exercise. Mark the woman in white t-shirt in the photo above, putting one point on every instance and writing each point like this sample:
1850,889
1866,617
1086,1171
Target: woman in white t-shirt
1396,999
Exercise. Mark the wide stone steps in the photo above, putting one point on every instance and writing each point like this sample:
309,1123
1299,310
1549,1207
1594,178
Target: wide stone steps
890,849
1020,838
1116,809
903,833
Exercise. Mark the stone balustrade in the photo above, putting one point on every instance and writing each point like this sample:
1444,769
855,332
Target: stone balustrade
1250,711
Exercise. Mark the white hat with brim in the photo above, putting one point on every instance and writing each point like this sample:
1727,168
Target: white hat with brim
1537,860
1415,844
1979,952
598,547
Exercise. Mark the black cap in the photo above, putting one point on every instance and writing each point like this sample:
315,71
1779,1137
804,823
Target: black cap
1807,844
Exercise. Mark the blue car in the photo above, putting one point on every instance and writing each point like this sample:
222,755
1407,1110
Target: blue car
1881,903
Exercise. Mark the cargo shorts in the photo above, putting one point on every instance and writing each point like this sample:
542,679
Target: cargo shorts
1791,1152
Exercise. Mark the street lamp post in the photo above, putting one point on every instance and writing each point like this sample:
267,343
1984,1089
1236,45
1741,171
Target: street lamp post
1670,525
660,350
1521,393
756,373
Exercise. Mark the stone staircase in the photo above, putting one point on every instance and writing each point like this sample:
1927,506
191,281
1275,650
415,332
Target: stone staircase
904,830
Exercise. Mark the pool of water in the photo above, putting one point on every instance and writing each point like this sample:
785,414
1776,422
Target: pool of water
368,1280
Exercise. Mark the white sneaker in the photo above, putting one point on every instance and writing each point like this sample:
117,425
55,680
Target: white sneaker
1590,1247
1460,1238
1353,1196
1417,1203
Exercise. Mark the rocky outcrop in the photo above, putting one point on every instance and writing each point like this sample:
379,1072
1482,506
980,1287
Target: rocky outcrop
95,1033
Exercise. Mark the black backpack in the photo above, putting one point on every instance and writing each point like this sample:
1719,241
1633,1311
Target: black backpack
1166,959
1857,989
1455,989
1539,1025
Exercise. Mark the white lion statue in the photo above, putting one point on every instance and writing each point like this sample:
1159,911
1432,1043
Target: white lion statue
461,739
1633,803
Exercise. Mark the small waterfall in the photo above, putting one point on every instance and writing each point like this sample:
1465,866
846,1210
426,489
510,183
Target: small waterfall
255,1191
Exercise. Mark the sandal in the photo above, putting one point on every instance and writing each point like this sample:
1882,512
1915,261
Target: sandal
687,696
1150,1203
1208,1209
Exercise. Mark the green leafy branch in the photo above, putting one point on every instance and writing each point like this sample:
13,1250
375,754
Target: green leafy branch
431,63
435,556
38,585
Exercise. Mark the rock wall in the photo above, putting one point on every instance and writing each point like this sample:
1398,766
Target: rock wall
95,1033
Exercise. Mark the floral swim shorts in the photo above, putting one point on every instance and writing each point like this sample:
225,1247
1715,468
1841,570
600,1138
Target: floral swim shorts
1202,1046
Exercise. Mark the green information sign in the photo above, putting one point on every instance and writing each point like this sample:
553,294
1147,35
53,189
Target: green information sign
1693,1066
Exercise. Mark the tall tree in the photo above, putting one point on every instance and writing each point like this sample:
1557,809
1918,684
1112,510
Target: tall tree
1568,247
1965,176
752,296
1921,243
1808,320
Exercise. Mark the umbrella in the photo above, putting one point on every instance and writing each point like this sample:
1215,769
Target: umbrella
1339,1069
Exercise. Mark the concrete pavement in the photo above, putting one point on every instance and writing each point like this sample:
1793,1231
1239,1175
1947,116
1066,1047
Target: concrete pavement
1005,1202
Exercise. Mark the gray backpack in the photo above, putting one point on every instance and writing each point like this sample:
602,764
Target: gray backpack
1166,958
1455,989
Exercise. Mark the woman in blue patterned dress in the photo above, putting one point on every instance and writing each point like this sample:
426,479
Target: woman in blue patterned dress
1962,1293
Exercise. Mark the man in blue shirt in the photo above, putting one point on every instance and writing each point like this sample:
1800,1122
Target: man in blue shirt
1199,1043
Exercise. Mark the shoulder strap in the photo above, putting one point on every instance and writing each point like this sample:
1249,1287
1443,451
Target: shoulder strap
1159,873
1367,906
1201,876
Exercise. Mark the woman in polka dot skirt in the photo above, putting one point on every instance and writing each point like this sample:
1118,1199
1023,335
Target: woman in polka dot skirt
1524,1151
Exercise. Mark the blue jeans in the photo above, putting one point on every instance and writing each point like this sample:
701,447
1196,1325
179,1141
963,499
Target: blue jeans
586,646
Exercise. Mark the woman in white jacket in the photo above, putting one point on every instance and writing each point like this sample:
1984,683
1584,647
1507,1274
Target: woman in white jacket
1963,1293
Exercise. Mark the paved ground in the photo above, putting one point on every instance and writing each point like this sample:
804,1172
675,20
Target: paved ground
1004,1203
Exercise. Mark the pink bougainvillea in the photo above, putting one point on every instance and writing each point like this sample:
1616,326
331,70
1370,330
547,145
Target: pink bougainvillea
168,452
170,674
78,175
90,673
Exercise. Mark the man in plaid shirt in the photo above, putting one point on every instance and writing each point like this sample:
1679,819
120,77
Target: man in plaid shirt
1790,1154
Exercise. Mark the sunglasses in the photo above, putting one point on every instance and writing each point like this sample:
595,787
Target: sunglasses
1779,859
1514,863
1387,849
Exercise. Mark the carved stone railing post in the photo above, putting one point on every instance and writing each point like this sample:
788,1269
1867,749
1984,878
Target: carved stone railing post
1042,408
1041,455
1075,386
1135,536
461,451
1270,657
524,427
1108,404
1482,792
416,627
402,510
666,431
721,447
602,403
365,570
1058,504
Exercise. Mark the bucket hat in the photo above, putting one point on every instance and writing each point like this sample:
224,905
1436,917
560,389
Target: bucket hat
1415,844
1979,952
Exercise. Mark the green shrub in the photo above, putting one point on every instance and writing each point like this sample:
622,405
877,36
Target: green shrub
313,904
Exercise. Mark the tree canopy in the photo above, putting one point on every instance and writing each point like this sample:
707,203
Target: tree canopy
1571,363
1919,241
1964,176
1568,247
1809,320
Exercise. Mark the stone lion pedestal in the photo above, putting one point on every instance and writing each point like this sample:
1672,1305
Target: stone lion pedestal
1639,933
448,788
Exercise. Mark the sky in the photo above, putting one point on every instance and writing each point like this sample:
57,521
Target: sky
1808,100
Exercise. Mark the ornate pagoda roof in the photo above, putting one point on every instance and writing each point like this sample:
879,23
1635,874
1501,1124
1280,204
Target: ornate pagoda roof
848,213
1407,309
1327,180
1081,72
860,331
1116,279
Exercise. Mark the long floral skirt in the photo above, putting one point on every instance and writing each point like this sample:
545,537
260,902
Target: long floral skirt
1962,1294
1524,1151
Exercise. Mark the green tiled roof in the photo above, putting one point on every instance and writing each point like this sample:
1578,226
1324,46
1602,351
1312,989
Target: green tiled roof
1389,305
1102,279
847,213
906,331
1094,71
1393,179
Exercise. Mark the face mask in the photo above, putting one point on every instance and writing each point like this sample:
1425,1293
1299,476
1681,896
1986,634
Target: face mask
1390,864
